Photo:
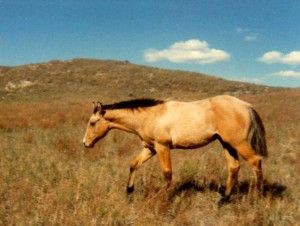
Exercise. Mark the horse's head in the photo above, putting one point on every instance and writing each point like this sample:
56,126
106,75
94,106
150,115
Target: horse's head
97,127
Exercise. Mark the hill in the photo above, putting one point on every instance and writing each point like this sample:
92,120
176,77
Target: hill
86,78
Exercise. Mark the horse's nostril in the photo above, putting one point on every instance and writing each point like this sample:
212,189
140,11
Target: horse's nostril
88,145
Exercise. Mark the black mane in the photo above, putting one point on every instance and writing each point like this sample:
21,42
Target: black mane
133,104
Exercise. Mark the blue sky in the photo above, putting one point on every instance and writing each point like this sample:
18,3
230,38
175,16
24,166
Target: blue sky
255,41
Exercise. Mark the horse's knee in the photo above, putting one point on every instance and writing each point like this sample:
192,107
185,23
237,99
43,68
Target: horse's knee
234,168
133,164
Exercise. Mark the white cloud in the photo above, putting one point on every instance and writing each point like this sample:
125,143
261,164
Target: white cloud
287,74
191,51
248,34
240,30
251,37
272,57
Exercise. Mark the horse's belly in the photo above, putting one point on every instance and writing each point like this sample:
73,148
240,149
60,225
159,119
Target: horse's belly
190,140
188,145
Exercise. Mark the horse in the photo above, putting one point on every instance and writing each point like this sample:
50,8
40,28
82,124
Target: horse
165,125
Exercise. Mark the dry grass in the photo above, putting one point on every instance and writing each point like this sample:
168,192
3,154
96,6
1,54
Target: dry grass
47,178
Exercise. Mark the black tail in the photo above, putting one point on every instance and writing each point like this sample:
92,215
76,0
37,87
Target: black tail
257,134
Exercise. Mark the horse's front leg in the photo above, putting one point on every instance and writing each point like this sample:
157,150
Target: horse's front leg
135,164
163,153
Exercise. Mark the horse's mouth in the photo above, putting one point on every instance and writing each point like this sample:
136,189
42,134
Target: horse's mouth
91,145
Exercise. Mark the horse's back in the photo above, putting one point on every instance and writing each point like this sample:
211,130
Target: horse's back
206,107
184,112
229,102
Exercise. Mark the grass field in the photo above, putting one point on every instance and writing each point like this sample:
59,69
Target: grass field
48,178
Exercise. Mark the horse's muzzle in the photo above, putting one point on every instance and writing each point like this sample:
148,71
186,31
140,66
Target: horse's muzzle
88,145
91,145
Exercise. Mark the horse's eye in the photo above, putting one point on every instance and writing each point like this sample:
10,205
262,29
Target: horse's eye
92,124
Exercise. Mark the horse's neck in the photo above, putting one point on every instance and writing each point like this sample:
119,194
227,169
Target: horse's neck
124,119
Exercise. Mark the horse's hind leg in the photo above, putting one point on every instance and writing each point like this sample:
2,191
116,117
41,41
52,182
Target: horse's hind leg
245,150
233,169
137,162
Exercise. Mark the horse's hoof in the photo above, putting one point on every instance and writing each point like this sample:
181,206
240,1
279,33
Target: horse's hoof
130,190
224,200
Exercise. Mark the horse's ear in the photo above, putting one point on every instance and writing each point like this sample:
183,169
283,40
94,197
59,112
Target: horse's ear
97,107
